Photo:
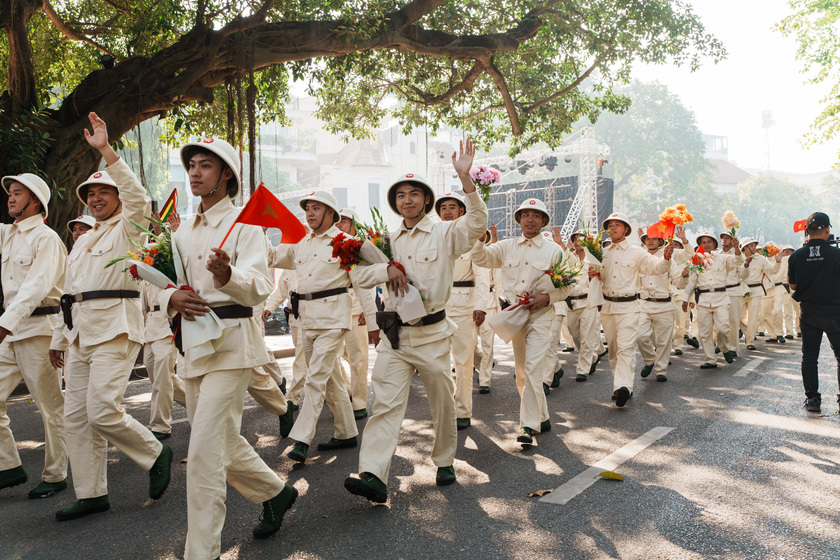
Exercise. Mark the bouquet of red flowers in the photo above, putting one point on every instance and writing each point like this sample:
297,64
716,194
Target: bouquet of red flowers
347,250
153,262
700,261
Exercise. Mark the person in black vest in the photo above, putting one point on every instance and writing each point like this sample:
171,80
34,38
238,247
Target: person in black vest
814,276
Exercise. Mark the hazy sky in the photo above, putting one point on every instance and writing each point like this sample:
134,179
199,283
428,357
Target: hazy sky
760,72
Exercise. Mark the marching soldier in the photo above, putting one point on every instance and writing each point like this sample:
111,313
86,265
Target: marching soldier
286,284
711,298
230,282
620,314
485,336
735,290
522,259
755,274
160,356
325,313
466,309
356,341
773,304
32,273
102,337
582,315
656,330
427,252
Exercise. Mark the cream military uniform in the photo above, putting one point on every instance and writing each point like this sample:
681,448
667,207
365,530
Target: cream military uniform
485,334
355,351
160,356
215,383
621,312
756,278
428,252
521,260
468,280
736,291
656,329
287,283
103,344
324,321
773,303
33,266
712,301
582,319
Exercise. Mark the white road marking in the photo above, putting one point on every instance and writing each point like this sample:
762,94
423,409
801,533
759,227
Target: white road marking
565,492
749,368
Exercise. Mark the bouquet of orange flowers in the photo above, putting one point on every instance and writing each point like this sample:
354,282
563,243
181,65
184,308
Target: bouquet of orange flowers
678,215
770,250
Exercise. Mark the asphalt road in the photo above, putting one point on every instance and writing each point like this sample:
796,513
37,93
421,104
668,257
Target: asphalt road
744,473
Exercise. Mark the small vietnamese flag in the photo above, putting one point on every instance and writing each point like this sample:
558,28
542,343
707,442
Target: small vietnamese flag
696,259
264,210
661,230
169,206
799,226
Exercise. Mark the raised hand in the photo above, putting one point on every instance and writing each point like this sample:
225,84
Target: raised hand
555,234
464,161
494,238
99,138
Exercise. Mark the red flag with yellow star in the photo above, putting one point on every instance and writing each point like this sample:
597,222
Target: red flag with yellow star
661,230
264,210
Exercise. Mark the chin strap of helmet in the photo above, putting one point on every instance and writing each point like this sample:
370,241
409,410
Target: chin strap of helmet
28,202
114,213
211,193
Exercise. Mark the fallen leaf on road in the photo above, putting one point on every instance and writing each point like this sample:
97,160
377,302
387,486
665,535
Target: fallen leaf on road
611,475
184,460
538,493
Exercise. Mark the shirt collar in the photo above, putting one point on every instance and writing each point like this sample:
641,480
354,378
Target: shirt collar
537,239
424,225
29,223
623,244
331,232
112,220
217,213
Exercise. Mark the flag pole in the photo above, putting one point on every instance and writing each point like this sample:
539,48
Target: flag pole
227,234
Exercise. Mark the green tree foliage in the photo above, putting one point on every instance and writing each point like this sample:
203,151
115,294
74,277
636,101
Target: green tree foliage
657,155
501,69
815,24
768,206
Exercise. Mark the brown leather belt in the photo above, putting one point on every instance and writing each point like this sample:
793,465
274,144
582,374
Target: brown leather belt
732,285
622,299
294,298
155,308
658,300
428,319
389,323
48,310
464,284
570,299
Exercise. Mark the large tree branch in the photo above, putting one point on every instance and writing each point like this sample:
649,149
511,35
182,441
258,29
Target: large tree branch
466,84
510,107
67,31
413,12
556,95
14,18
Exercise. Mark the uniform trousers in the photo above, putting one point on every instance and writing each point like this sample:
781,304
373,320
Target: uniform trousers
324,381
771,312
656,338
530,347
484,350
713,322
552,360
219,454
586,336
463,358
262,386
356,354
391,381
28,359
96,378
797,316
298,367
681,320
735,304
750,314
160,357
783,306
622,331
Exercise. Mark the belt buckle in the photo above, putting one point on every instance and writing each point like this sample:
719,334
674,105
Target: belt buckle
307,297
77,298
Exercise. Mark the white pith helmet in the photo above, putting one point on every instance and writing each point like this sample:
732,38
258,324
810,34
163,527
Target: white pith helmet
324,198
414,179
37,186
97,178
532,204
219,147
